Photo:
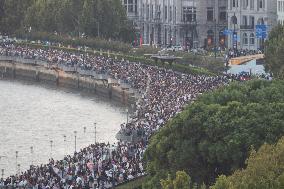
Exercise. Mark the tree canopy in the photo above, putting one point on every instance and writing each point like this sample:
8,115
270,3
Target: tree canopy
274,52
264,170
214,135
95,18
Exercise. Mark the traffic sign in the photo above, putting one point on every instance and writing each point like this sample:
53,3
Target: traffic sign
227,32
261,31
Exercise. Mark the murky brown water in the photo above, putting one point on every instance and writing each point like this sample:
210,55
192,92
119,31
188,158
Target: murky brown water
32,116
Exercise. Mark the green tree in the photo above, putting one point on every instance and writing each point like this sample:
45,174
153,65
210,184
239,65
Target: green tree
182,181
14,13
214,135
264,170
274,52
104,18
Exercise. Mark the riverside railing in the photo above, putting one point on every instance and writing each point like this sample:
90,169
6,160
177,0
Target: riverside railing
74,69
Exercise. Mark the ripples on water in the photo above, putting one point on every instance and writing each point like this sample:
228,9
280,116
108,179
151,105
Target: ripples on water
31,115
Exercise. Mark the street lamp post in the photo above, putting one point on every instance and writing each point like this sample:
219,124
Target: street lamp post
113,181
95,124
215,39
28,32
17,155
84,55
64,144
19,168
2,173
127,112
51,148
98,25
32,154
235,21
85,130
75,135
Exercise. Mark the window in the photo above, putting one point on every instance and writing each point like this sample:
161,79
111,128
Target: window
152,12
245,4
136,7
175,14
245,20
189,14
245,38
166,12
261,4
130,6
251,20
171,14
235,3
251,39
158,13
222,14
142,12
148,12
251,5
210,14
125,4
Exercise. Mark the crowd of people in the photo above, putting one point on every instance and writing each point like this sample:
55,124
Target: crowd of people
164,93
233,53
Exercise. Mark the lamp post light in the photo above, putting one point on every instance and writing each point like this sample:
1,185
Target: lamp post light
84,55
32,154
95,125
98,29
51,148
75,135
64,144
19,168
29,29
2,173
85,128
17,155
127,112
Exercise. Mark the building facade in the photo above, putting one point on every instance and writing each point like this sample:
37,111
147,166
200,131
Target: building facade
280,12
190,23
243,18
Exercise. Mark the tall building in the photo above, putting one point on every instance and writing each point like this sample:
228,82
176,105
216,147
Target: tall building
244,19
280,12
191,23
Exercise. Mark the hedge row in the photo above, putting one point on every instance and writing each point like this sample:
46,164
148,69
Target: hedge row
95,43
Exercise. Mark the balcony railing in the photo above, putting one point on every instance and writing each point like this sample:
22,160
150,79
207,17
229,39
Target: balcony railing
247,27
188,23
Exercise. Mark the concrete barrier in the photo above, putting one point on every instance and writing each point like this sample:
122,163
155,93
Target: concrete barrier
66,76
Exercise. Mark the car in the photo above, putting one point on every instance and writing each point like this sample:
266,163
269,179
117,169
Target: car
178,48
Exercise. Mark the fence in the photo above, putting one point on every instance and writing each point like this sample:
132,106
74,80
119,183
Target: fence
66,68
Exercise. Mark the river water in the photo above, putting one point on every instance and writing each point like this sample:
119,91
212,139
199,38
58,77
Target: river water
33,115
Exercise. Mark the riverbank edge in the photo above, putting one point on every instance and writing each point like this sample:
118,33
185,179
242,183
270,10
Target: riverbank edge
16,70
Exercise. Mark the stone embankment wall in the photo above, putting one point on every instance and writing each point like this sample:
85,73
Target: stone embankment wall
38,73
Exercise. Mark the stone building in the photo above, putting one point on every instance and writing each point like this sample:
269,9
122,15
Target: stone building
190,23
280,12
243,18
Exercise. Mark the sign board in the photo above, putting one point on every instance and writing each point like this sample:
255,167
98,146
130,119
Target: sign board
261,31
228,32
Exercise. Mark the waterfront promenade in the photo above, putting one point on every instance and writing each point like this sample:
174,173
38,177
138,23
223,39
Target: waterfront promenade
163,94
